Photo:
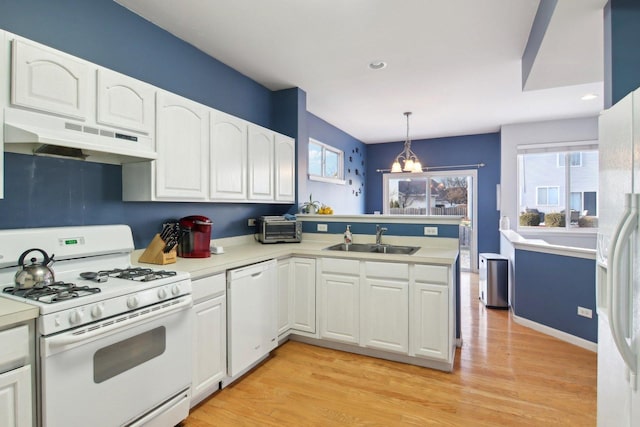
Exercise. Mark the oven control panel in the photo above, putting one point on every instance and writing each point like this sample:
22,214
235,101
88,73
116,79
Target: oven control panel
104,309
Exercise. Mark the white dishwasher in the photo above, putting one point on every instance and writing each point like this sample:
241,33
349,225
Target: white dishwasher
251,315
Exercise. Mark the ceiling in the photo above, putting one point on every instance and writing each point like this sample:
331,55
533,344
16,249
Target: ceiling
456,64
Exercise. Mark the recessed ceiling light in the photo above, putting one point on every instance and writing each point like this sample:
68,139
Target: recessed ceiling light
589,96
377,65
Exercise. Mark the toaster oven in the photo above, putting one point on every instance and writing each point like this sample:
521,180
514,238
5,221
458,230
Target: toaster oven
277,229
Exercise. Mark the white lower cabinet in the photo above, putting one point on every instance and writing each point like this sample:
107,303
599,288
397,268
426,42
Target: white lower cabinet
284,296
296,296
432,313
385,307
303,295
209,336
406,309
15,397
16,357
339,292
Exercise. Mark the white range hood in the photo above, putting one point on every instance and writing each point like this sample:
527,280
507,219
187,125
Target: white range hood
31,133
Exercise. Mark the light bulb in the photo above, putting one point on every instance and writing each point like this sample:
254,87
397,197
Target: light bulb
408,165
396,167
417,166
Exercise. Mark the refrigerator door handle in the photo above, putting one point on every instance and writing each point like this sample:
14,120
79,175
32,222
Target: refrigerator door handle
624,230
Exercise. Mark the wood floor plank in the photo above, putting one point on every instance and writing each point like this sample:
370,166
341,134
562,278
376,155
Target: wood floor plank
505,375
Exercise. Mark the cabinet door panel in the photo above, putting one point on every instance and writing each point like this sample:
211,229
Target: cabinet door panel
340,304
182,141
385,321
260,166
15,397
228,157
209,345
49,81
430,321
284,296
303,292
124,102
285,168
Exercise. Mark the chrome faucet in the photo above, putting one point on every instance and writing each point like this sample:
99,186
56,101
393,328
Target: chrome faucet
379,231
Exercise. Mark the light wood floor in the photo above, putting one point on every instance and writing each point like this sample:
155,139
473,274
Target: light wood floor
505,375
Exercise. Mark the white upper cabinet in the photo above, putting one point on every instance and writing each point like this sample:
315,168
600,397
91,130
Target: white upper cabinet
124,102
260,164
228,157
182,142
285,168
4,96
50,81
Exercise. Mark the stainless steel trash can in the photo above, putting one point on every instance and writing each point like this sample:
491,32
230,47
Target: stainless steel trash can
494,280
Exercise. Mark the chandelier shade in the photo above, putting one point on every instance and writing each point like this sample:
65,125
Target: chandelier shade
407,161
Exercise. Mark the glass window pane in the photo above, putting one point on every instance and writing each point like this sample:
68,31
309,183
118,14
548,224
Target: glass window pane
583,181
575,159
315,159
553,198
542,196
331,164
576,201
541,187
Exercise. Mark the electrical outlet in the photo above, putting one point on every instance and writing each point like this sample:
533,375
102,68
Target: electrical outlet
585,312
431,231
251,222
322,227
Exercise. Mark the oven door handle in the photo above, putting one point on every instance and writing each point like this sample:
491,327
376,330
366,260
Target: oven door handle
144,314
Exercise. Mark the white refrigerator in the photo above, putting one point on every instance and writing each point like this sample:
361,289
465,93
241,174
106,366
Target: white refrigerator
618,264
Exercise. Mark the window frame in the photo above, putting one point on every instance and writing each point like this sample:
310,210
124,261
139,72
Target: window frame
561,150
339,179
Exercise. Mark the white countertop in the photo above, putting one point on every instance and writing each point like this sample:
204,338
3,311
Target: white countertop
244,250
539,245
15,312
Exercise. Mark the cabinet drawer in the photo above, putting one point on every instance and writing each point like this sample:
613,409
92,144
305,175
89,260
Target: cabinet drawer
341,266
387,270
432,273
208,287
14,348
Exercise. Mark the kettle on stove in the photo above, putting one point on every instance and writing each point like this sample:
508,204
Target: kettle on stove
34,275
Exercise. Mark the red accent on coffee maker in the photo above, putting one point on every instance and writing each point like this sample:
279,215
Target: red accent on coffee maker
195,237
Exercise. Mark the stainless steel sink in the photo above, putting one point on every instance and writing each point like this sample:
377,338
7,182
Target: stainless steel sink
353,247
373,248
393,249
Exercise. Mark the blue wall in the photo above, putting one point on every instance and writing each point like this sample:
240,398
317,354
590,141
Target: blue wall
549,288
470,149
622,56
350,197
54,192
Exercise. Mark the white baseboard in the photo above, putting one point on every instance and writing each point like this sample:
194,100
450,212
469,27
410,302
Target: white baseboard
571,339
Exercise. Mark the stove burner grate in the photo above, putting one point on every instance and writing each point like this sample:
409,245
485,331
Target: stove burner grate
139,274
57,291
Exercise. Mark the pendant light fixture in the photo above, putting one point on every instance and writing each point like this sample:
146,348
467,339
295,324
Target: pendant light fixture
411,161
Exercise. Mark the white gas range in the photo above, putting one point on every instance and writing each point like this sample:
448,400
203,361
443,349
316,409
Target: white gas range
113,348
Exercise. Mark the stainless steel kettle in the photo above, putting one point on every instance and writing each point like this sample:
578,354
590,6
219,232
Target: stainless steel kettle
34,275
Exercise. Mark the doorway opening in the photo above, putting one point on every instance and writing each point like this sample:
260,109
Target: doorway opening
438,193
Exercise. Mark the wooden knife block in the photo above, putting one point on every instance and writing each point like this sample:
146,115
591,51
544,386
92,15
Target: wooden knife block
154,254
